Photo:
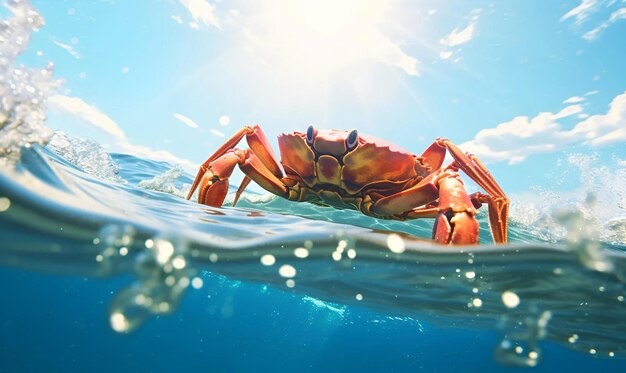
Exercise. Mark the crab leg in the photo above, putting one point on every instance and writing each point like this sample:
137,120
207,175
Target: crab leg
497,201
455,212
214,182
424,192
259,145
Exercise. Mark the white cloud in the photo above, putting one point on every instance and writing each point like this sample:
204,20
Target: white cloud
185,120
217,133
67,48
177,19
91,115
201,11
88,113
515,140
574,100
444,55
615,16
390,53
604,129
458,37
591,93
582,11
161,155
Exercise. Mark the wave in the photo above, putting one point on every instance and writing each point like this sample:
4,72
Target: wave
64,220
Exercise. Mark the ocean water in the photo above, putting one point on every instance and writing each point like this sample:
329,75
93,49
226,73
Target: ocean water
104,266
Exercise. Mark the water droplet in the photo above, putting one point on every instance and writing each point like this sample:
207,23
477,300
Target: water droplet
164,250
197,283
268,260
287,271
179,262
119,322
510,299
5,203
395,243
301,252
336,256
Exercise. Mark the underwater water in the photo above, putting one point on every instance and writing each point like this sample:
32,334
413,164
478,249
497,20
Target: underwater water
104,266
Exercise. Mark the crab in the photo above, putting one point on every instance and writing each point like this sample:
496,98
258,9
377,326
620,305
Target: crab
349,170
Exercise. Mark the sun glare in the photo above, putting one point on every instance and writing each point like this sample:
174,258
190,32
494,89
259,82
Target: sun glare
318,38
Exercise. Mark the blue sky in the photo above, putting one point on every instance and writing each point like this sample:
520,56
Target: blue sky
522,84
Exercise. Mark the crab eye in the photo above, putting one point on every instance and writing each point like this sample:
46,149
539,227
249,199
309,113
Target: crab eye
310,135
353,139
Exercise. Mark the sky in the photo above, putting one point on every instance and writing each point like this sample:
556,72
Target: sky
524,85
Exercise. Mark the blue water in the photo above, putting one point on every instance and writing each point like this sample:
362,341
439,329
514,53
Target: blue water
57,323
59,300
104,266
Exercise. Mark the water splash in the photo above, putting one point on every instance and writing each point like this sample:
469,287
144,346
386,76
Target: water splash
165,182
23,91
87,154
597,210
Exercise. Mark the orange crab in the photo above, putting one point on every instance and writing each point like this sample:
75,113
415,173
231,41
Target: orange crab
348,170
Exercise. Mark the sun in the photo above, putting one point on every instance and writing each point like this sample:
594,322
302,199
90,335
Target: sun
318,38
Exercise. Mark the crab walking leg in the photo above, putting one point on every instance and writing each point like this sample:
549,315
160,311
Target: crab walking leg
259,144
455,212
214,182
424,192
244,183
497,201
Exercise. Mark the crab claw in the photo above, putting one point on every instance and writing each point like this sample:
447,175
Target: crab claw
461,228
214,183
456,222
